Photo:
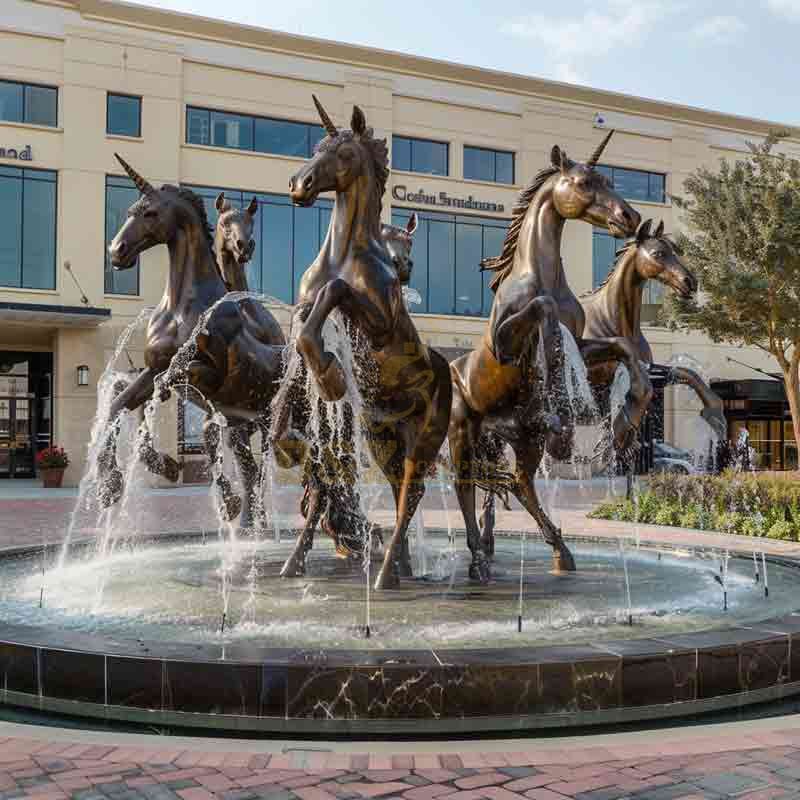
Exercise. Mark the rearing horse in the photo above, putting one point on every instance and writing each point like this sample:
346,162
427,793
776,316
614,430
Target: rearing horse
407,413
495,388
232,366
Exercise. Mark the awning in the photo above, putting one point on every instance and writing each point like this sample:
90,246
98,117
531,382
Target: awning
53,316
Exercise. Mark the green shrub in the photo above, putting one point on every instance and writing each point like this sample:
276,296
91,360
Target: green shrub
783,530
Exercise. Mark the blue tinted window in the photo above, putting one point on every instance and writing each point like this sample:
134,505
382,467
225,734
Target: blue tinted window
28,102
447,253
482,164
124,115
420,155
28,210
121,194
287,238
635,184
604,248
247,132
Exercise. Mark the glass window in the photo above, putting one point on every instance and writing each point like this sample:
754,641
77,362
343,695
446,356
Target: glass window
10,101
447,253
28,210
121,194
420,155
634,184
124,115
246,132
287,238
483,164
198,126
231,130
604,248
28,102
191,423
41,105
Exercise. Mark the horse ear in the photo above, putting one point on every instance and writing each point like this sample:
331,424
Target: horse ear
411,226
659,230
358,122
644,231
559,159
252,209
219,203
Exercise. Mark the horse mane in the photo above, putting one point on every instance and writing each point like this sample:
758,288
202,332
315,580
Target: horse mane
377,149
503,263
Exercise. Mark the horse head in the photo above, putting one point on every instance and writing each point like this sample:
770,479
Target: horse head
154,219
658,258
233,239
581,192
399,242
340,159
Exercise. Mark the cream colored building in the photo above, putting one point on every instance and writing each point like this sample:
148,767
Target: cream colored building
185,79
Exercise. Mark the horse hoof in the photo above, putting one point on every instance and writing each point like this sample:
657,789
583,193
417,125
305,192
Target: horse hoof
331,381
172,469
479,571
563,561
386,579
487,545
294,568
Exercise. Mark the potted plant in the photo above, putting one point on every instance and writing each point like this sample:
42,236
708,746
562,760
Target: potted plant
52,461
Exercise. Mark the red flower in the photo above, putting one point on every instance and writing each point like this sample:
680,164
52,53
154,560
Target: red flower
52,458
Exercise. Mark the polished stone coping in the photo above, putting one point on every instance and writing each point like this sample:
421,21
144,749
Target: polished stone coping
290,690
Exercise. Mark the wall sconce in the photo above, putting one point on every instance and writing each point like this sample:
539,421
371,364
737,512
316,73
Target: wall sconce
83,375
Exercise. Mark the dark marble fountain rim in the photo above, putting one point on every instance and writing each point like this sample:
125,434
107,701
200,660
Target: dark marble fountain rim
249,653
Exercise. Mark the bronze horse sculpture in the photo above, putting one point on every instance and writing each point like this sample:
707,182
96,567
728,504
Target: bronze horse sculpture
235,364
614,309
499,390
406,411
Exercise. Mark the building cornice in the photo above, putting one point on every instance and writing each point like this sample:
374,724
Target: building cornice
384,61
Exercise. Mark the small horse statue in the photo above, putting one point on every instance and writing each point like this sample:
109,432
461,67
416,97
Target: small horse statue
499,388
235,367
407,411
614,309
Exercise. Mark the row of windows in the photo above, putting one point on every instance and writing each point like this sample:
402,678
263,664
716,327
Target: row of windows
637,184
246,132
28,102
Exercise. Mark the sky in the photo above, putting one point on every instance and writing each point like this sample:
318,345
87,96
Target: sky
740,56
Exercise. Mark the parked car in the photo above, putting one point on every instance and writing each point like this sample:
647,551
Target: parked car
668,458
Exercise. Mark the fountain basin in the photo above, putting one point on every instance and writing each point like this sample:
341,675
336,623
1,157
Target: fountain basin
444,655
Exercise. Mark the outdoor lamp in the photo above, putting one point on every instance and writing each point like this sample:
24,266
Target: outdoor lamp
83,375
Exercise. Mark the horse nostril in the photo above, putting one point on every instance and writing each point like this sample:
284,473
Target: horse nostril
240,244
308,182
410,263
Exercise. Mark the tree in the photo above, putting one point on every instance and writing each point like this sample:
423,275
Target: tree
742,242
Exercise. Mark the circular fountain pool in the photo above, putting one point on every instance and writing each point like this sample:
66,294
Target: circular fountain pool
138,635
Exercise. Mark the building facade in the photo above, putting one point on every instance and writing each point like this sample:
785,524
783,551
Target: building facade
216,106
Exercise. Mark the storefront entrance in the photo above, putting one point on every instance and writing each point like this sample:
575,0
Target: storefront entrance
17,437
25,411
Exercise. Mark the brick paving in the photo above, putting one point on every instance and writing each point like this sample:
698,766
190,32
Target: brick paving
761,765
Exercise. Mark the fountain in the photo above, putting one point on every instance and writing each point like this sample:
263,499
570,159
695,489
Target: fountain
172,613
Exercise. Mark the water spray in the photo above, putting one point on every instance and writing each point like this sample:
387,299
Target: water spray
222,626
521,578
755,567
627,580
764,568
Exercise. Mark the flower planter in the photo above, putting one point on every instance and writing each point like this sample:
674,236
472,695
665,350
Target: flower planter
52,477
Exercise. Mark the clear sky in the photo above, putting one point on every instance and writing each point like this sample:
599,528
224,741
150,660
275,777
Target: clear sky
737,56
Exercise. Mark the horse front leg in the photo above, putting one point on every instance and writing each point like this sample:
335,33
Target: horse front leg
231,505
375,321
713,408
135,394
525,492
239,438
512,339
637,399
314,501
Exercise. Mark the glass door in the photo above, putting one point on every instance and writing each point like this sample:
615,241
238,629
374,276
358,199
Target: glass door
16,438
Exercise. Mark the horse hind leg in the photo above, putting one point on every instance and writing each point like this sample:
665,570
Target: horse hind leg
314,500
239,439
161,464
525,492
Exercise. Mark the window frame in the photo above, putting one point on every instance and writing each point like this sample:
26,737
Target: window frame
252,118
22,286
649,173
109,95
411,140
138,265
25,85
495,152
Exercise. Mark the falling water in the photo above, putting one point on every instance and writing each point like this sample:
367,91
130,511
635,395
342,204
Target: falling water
624,556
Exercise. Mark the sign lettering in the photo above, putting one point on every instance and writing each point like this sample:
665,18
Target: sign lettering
21,155
402,194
